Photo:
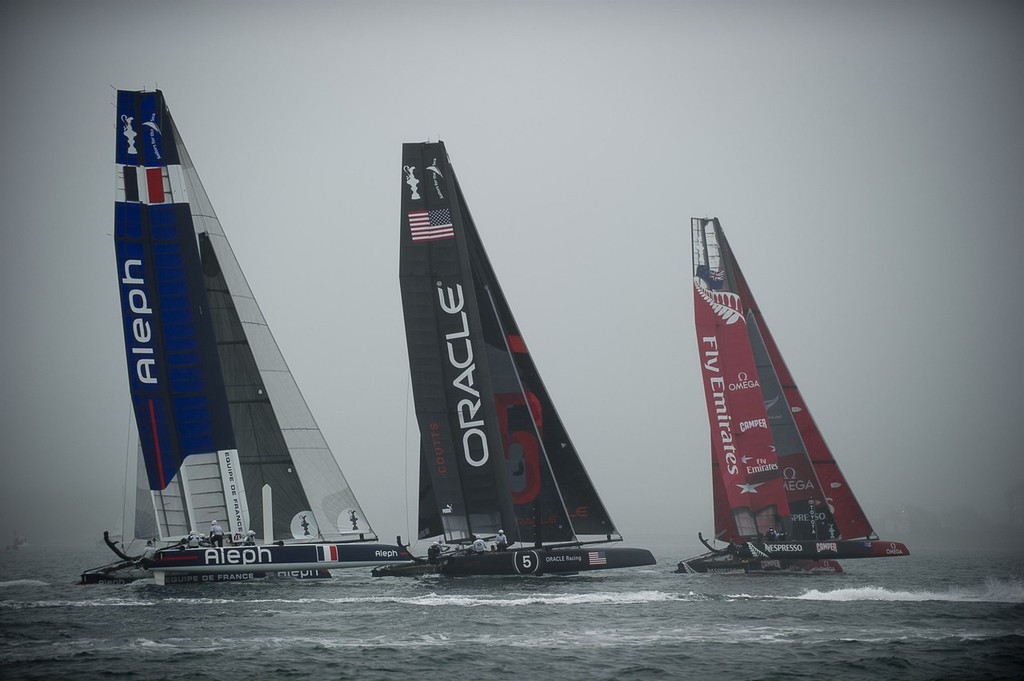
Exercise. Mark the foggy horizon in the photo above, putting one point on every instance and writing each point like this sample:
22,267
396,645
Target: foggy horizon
864,160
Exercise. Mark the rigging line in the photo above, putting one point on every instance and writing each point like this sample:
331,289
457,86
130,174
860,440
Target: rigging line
405,455
127,464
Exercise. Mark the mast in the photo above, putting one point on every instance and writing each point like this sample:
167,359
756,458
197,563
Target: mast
463,490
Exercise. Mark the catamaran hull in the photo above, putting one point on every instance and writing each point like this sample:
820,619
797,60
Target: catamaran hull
710,563
136,574
524,562
233,563
799,556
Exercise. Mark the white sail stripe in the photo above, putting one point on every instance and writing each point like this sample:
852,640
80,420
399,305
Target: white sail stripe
433,234
432,237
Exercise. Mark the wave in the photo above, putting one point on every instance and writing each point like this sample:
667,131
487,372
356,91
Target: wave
434,599
22,582
993,591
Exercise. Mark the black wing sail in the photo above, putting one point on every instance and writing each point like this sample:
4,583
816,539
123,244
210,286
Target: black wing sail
475,384
460,444
550,487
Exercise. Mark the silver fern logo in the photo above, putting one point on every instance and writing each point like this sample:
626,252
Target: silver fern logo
724,304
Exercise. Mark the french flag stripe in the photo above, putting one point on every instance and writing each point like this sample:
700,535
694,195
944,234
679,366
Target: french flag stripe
155,185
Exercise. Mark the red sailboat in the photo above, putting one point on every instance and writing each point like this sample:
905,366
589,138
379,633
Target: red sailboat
780,500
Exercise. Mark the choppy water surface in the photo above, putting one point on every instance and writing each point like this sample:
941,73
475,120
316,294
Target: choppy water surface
929,616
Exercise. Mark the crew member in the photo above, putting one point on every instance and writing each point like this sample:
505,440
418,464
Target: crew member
216,534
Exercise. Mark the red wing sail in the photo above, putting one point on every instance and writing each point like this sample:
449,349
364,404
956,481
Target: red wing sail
771,465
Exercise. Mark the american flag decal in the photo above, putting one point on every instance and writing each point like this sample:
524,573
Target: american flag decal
430,225
597,558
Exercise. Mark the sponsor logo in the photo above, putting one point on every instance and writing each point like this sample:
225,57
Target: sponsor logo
562,559
894,550
770,564
460,356
716,388
783,548
743,382
153,136
436,176
446,509
234,491
438,447
753,423
826,546
749,488
142,332
791,484
808,517
385,553
226,577
233,556
129,132
410,179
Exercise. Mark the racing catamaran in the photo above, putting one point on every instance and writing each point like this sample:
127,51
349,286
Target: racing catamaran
780,500
494,455
227,444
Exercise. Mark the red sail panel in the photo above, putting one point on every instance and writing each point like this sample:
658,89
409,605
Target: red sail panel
747,465
833,489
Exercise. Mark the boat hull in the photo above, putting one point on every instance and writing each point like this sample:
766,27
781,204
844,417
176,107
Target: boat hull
236,563
729,564
517,562
793,556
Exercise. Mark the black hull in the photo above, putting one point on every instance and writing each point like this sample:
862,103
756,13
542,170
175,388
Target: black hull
792,556
238,563
728,564
518,562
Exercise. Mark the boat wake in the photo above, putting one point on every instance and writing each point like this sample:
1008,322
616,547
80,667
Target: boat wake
21,582
993,591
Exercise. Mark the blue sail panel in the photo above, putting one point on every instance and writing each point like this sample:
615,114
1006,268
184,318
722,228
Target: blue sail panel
174,371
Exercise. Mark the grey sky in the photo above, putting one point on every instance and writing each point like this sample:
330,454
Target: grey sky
865,158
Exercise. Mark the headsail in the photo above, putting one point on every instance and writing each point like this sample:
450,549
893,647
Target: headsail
494,452
770,465
218,412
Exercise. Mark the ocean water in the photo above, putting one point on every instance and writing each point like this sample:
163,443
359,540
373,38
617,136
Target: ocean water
932,615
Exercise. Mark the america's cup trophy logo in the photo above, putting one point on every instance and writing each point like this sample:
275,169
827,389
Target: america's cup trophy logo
129,133
410,179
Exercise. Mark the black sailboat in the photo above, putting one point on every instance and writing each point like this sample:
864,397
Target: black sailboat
495,456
